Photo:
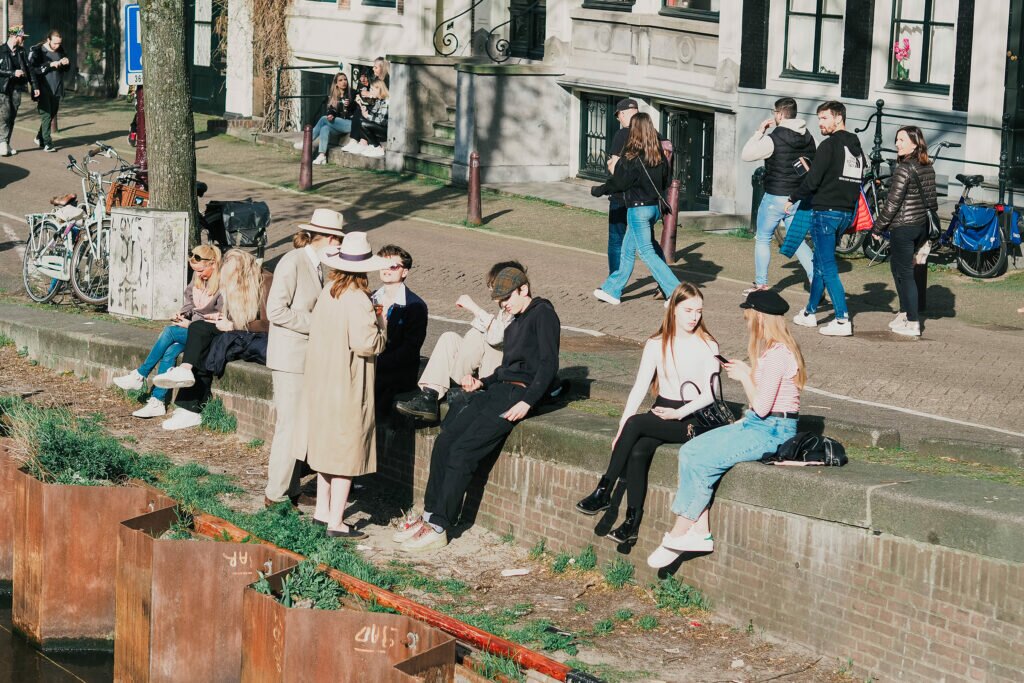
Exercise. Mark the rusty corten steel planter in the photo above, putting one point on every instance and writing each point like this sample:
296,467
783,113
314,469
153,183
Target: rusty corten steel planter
179,602
65,559
295,645
7,469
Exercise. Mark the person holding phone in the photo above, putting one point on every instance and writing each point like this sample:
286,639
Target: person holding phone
528,370
772,383
679,364
337,120
203,301
787,149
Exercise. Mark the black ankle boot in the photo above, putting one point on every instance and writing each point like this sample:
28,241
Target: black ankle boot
423,405
597,501
629,530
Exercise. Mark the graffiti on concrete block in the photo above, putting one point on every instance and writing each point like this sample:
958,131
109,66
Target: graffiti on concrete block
132,267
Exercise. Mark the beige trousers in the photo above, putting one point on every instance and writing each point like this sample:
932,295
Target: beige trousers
456,356
287,396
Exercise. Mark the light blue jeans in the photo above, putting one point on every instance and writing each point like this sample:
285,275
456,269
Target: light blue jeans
769,213
826,228
165,351
703,460
640,221
324,129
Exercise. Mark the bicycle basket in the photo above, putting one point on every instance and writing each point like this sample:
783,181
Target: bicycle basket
1015,228
978,229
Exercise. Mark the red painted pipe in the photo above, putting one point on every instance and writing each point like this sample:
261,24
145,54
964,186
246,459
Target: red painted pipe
208,525
474,216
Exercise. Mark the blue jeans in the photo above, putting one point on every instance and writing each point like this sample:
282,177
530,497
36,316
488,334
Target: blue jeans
165,351
640,221
324,129
769,213
703,460
826,228
616,232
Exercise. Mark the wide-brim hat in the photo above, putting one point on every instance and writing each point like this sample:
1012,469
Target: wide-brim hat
353,256
326,222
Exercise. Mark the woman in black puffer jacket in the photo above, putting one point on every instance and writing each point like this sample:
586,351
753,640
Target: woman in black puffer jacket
905,216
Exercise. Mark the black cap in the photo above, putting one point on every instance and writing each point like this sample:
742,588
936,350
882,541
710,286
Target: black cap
766,301
627,103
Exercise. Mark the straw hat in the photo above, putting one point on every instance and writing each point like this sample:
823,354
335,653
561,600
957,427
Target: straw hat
325,221
353,256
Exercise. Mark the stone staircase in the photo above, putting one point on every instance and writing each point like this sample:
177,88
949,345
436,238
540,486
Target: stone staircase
436,152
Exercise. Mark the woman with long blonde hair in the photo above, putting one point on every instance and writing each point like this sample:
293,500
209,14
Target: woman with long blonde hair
772,383
244,288
642,174
338,119
203,301
679,365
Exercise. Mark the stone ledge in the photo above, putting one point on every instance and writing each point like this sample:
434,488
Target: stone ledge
974,516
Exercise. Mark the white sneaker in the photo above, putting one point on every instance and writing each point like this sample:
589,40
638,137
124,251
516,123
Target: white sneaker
426,539
407,530
606,297
899,321
352,147
320,160
805,319
175,378
154,408
909,329
5,149
37,140
838,328
373,151
298,145
133,381
182,419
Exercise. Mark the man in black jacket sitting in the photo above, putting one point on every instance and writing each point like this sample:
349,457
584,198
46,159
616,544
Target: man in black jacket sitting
527,372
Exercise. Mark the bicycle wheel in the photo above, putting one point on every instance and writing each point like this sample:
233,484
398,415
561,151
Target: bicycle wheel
876,251
982,264
849,243
90,267
40,259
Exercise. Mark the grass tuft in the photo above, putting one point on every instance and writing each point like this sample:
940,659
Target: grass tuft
216,418
671,593
619,572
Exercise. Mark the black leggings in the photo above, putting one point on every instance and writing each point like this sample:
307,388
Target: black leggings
904,242
634,451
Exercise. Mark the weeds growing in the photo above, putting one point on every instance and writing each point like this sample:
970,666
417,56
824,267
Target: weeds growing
216,418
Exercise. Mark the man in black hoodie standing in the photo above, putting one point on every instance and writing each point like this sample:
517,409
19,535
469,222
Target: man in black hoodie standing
833,186
48,62
528,370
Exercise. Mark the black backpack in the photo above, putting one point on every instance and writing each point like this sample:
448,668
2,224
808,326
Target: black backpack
810,448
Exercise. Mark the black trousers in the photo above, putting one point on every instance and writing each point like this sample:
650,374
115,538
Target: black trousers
357,132
634,451
903,243
476,433
197,345
375,134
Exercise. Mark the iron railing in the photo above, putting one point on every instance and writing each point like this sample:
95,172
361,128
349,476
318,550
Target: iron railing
525,22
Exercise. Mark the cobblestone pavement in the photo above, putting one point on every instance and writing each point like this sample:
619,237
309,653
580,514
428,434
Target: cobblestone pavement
967,367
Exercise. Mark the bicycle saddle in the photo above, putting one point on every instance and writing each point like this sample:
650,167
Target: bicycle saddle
970,180
64,200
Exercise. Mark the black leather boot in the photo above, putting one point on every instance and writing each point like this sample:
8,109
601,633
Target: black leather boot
629,530
423,405
597,501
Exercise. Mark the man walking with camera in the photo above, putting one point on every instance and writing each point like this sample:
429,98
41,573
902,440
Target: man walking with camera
48,64
14,74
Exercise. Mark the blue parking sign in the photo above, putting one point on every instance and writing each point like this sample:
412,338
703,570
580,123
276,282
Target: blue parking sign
132,45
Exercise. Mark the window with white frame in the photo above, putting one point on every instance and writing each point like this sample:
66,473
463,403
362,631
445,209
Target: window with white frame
814,39
922,44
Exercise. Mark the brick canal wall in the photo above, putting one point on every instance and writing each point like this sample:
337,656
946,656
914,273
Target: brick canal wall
913,577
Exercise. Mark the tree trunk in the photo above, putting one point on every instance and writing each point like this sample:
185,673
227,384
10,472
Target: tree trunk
170,127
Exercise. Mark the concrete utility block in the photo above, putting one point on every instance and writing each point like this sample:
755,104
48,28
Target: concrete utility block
148,254
970,451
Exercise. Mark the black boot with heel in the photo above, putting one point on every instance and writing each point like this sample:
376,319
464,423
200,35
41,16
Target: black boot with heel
629,530
597,501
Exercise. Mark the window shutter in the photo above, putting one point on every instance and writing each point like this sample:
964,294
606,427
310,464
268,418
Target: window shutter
962,58
857,43
754,50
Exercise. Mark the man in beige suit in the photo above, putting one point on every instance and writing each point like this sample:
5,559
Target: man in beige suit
298,281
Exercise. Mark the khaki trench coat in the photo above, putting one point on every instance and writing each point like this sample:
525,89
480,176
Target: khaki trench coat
335,430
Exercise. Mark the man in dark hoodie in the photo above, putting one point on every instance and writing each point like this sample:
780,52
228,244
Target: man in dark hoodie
833,186
787,151
528,370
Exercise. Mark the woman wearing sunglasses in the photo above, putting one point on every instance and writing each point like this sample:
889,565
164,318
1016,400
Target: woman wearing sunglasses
203,301
337,120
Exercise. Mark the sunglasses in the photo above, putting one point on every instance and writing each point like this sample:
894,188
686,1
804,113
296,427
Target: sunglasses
196,258
397,266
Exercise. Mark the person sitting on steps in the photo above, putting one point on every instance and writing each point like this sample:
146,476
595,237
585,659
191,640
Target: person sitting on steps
337,120
370,129
679,363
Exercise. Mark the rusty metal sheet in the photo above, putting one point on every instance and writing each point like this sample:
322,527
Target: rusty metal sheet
65,559
286,645
179,602
7,469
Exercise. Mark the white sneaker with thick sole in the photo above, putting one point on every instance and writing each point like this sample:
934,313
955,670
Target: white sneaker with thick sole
175,378
673,546
182,419
899,321
909,329
606,297
373,152
805,319
320,160
352,147
426,539
298,145
407,530
133,381
838,328
154,408
5,149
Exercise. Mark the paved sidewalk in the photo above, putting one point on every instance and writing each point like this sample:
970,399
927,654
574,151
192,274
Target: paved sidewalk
965,369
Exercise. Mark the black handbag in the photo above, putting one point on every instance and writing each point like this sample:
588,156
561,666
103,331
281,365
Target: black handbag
718,414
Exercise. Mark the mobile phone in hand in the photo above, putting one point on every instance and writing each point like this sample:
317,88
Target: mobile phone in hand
722,359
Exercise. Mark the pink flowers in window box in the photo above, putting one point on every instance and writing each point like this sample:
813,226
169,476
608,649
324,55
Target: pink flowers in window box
901,53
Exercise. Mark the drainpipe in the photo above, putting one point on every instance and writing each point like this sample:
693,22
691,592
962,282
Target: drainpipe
7,18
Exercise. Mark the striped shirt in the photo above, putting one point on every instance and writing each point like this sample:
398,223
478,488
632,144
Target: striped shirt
775,379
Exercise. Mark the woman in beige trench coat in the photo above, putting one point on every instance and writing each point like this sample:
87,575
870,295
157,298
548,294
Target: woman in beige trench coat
335,430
